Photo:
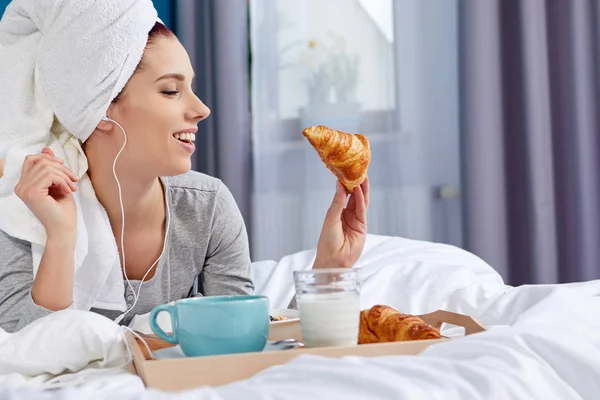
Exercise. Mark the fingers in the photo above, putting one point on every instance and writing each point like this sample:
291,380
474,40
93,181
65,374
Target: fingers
46,168
351,202
31,188
68,179
361,205
67,171
43,172
365,189
43,164
31,160
48,150
57,179
334,213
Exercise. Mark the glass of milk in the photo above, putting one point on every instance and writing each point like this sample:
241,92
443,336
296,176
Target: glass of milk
329,305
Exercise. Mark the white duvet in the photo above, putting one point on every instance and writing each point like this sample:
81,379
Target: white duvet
543,341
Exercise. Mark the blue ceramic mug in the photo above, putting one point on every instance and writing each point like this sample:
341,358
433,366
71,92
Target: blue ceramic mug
205,326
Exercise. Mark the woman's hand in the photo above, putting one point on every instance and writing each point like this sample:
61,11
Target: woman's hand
46,187
345,229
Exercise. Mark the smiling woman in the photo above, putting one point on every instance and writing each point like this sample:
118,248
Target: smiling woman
166,224
156,108
151,125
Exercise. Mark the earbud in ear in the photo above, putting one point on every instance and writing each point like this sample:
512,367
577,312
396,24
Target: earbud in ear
105,118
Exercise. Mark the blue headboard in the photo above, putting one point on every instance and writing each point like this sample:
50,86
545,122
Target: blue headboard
3,4
164,8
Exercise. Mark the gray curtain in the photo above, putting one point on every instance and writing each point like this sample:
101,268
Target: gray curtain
530,84
215,34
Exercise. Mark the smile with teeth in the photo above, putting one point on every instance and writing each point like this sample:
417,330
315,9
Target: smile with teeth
185,137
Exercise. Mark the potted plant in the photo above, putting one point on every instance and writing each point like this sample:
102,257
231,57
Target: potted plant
331,79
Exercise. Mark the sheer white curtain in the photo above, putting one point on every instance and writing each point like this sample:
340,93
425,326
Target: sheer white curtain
384,68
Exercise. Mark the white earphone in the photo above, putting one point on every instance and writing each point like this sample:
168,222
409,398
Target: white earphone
136,295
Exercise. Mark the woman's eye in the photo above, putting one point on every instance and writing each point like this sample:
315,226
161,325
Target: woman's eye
170,92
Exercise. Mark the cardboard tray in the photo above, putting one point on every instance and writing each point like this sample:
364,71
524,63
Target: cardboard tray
188,373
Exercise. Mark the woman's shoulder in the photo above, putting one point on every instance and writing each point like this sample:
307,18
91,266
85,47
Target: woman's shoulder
196,198
195,187
194,181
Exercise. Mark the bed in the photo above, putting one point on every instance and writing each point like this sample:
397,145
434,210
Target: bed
542,342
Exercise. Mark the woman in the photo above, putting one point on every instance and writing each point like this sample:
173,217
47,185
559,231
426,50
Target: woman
206,235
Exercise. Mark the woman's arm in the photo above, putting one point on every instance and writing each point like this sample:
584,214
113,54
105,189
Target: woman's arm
17,308
227,266
344,231
46,187
53,284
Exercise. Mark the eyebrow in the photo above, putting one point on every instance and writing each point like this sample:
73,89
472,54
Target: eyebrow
178,77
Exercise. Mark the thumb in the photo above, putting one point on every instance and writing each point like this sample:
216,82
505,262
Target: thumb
47,150
334,213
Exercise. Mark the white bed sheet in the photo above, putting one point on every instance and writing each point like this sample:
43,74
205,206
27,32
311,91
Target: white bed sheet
543,340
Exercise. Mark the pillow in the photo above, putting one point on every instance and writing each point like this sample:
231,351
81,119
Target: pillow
63,342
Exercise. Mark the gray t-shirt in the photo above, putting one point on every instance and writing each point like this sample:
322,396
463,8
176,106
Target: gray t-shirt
207,239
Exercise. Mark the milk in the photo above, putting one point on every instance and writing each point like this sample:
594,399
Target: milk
329,319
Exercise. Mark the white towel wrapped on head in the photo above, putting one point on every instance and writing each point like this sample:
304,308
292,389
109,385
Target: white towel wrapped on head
62,62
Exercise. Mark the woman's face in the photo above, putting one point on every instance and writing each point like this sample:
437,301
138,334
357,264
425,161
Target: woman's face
159,111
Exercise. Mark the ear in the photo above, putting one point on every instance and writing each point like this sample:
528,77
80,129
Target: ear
104,126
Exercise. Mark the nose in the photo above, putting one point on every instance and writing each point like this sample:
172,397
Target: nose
198,110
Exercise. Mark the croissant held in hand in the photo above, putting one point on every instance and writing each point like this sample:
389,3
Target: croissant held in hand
346,155
386,324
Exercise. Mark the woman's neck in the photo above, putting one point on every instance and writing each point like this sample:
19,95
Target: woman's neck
143,199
